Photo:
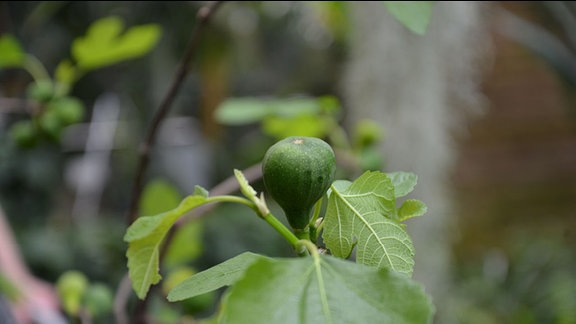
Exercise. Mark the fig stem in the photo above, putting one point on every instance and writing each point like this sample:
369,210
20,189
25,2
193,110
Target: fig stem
286,233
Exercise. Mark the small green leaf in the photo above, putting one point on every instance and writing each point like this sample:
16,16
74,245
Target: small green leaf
364,215
324,289
159,196
145,236
292,107
11,53
404,182
65,72
414,15
250,193
199,191
411,208
104,45
221,275
302,125
242,111
71,287
245,187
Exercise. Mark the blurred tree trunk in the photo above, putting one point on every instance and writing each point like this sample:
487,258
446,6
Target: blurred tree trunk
420,89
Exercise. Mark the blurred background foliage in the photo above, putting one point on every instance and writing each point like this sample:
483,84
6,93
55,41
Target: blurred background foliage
515,177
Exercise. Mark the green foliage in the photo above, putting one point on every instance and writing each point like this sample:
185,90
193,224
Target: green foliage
11,53
364,215
281,118
316,288
104,44
24,133
310,289
71,287
414,15
323,289
221,275
41,90
78,296
411,208
98,300
145,236
191,305
404,182
69,110
65,72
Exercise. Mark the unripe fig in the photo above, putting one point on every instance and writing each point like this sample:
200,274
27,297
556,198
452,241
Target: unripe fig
42,91
98,300
68,109
298,171
71,286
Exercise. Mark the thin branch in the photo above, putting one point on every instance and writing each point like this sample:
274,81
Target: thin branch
14,105
202,18
226,187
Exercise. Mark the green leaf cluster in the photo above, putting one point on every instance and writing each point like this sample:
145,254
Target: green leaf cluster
281,118
363,214
323,289
316,288
78,295
145,236
103,45
11,53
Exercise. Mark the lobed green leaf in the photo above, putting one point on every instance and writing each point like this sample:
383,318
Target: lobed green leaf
364,215
404,182
105,45
323,289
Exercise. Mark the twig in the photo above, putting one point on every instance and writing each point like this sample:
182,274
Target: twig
226,187
12,105
202,18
